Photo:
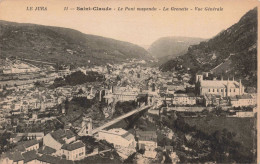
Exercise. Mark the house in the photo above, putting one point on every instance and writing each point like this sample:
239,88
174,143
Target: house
184,99
12,158
27,146
46,150
125,93
147,140
74,151
168,99
18,136
243,100
119,137
30,157
180,99
168,148
16,112
31,145
244,114
48,159
213,100
58,138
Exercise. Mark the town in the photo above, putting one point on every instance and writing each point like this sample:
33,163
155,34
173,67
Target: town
125,112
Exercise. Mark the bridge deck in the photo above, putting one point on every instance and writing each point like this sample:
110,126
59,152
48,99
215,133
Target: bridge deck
120,118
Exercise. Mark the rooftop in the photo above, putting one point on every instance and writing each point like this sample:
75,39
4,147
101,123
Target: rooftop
46,150
29,156
219,83
30,143
60,134
146,135
73,146
15,156
53,160
246,96
120,132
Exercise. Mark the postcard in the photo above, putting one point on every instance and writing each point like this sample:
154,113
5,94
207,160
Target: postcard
129,81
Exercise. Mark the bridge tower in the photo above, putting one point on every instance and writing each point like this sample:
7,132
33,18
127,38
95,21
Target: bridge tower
86,127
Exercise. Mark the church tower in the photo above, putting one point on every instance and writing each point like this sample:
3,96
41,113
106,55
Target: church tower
199,79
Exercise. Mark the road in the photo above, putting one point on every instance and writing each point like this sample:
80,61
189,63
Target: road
120,118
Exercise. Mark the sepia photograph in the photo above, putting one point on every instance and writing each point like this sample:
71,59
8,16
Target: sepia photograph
129,81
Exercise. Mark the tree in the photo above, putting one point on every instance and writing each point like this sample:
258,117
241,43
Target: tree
80,91
204,111
66,104
141,151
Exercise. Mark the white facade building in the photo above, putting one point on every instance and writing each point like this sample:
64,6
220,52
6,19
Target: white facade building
243,100
118,137
74,151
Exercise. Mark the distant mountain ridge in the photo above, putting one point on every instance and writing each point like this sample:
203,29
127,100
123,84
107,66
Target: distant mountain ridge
233,52
171,47
64,45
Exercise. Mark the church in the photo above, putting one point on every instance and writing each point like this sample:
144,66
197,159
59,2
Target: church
224,88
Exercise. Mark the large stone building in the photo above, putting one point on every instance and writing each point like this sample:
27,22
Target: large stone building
65,143
118,137
224,88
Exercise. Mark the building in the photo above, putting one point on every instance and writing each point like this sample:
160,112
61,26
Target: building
125,93
118,137
48,159
168,99
184,99
243,100
30,157
63,142
27,146
147,140
211,100
86,127
58,138
12,158
180,99
224,88
18,67
46,150
244,114
31,145
74,151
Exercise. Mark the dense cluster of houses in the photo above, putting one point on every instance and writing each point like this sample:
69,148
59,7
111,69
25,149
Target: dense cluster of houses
61,145
123,82
17,66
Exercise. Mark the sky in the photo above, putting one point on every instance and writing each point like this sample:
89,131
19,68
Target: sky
137,27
